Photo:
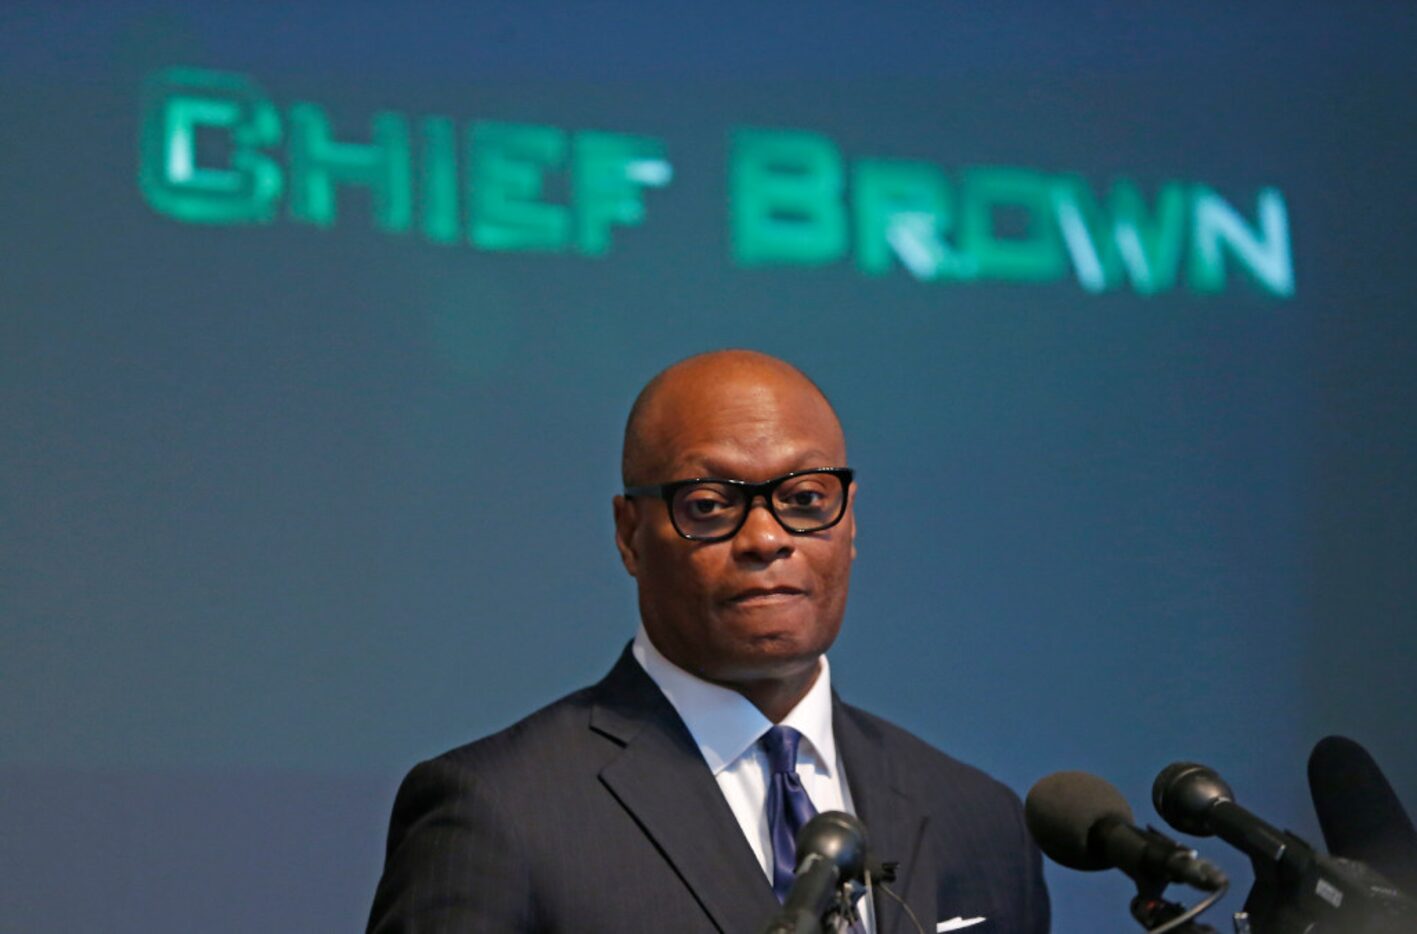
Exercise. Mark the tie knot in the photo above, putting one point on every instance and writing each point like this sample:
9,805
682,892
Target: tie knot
780,743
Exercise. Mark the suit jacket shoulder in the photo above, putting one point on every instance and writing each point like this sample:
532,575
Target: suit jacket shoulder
596,813
958,833
929,770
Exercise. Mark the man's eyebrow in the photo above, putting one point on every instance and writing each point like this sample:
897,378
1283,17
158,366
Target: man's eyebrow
708,465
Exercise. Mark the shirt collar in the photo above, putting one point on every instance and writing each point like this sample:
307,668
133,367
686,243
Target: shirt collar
724,723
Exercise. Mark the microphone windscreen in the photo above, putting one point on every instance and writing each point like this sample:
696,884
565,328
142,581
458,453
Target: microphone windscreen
1061,811
838,837
1359,813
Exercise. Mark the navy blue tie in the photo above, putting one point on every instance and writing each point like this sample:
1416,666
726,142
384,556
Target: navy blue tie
788,805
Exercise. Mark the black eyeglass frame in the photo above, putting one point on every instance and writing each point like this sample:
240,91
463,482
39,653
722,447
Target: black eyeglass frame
751,491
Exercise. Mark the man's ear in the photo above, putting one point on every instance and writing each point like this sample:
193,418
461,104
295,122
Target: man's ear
627,520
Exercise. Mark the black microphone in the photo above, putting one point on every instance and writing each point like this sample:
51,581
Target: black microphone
1297,889
1359,814
831,852
1195,800
1083,822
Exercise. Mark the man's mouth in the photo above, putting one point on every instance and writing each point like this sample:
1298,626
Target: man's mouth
753,596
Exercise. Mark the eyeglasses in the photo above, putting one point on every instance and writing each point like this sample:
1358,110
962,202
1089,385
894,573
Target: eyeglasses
708,509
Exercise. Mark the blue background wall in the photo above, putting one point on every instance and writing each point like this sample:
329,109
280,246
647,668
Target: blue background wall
287,509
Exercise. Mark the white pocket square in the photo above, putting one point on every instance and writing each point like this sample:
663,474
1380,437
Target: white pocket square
955,924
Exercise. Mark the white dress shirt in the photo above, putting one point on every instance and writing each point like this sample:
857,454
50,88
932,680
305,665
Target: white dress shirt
726,726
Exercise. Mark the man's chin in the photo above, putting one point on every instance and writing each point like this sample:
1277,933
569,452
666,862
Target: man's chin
771,657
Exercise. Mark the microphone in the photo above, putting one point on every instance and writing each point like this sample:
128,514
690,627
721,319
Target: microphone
1359,814
831,851
1083,822
1296,888
1195,800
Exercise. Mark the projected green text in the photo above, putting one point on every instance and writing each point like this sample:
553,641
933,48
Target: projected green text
504,167
791,204
216,150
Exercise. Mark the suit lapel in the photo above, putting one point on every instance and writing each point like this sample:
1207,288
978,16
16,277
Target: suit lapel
894,822
660,777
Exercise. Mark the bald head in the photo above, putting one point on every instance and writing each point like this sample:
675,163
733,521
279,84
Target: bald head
706,382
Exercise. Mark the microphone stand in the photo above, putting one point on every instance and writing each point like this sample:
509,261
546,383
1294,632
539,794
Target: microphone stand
1156,914
1152,912
839,912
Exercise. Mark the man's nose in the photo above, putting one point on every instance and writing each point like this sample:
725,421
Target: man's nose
762,537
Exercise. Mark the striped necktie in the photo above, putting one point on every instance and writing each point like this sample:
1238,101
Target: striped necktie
788,805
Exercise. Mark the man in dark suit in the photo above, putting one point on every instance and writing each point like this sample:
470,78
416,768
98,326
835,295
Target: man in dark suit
660,798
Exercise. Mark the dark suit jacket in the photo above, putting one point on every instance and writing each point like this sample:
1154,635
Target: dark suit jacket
598,814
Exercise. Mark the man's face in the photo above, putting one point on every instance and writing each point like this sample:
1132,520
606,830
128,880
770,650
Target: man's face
766,603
